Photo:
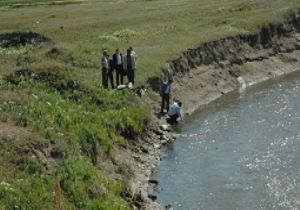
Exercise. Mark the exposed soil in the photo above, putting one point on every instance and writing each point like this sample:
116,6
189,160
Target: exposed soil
211,70
20,39
206,73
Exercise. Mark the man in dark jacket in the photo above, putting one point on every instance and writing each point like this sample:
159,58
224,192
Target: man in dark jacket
117,63
129,66
165,95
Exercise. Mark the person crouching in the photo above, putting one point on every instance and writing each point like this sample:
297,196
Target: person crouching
175,112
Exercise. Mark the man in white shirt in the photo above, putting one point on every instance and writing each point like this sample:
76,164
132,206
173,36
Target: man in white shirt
105,68
133,53
175,112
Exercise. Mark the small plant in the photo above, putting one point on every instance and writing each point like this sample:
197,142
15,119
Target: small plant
123,35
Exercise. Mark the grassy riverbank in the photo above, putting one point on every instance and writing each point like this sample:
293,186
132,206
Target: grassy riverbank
58,127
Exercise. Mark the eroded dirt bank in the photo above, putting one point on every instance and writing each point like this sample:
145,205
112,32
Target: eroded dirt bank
206,73
213,69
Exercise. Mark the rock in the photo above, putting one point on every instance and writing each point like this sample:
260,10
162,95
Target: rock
56,153
152,197
165,127
152,181
138,159
97,191
144,149
159,132
156,146
131,190
168,207
141,197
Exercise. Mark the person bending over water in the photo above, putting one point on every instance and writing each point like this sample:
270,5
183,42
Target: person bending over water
175,112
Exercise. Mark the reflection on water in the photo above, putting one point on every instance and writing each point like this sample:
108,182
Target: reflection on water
239,155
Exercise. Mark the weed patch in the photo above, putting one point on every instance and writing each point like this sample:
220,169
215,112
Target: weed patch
21,39
124,35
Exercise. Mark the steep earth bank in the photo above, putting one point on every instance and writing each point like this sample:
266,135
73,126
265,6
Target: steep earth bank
218,67
204,74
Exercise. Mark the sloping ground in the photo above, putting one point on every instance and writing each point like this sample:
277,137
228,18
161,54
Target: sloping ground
216,68
84,142
60,137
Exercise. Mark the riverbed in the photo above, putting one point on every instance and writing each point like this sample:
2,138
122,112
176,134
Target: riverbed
239,152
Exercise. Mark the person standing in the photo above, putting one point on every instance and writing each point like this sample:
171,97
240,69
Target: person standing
117,62
105,67
110,75
165,95
129,66
133,53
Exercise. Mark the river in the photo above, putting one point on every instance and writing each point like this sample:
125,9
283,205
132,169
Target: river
242,152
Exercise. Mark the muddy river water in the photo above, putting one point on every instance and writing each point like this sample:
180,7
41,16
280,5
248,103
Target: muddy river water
240,152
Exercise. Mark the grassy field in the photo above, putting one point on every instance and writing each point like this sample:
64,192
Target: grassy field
159,30
53,111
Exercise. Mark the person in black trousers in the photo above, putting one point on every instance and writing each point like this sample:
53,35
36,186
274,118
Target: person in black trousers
129,66
117,63
110,75
105,67
165,95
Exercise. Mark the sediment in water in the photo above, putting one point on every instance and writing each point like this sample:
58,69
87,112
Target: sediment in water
204,74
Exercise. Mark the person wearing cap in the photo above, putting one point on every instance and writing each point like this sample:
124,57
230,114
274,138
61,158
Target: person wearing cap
175,112
165,95
117,64
105,68
129,66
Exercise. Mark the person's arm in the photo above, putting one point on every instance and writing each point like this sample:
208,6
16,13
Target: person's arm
162,88
133,61
114,59
135,56
104,62
181,113
124,63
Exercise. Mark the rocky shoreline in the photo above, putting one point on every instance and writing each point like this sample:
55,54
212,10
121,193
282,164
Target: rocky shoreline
202,75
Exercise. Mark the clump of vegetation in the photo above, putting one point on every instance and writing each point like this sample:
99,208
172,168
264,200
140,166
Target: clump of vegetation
87,188
20,39
124,35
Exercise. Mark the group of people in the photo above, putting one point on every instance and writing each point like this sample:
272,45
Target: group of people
123,65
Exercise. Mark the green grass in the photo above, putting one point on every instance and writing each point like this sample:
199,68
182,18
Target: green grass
158,30
20,3
66,107
75,120
74,117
